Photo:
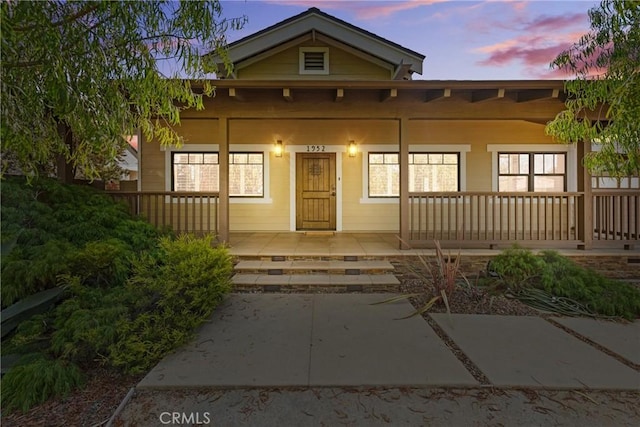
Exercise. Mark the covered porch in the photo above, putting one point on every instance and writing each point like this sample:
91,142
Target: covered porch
597,219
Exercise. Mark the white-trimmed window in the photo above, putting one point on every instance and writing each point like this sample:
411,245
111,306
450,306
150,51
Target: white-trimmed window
434,172
384,175
195,172
427,172
246,174
200,171
543,172
314,60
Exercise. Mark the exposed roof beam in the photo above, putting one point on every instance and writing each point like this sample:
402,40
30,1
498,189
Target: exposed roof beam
537,95
401,71
286,94
433,95
389,94
455,85
233,93
487,95
339,95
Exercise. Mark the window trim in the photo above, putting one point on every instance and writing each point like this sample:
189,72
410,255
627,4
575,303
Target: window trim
233,148
368,183
571,166
460,149
531,175
172,169
264,177
325,69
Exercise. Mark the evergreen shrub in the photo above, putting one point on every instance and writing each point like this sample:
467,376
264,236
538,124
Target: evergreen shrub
35,379
174,291
560,277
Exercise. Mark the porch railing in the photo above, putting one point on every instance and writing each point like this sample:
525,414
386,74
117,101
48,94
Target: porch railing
184,212
616,217
487,218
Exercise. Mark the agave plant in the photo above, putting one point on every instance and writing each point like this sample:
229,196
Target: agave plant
444,274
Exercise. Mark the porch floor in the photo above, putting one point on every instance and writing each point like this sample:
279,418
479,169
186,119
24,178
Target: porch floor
338,244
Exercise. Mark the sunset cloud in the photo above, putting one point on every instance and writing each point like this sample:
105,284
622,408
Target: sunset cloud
539,41
365,10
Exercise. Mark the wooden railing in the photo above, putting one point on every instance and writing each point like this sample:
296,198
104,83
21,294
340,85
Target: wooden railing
616,217
488,218
192,212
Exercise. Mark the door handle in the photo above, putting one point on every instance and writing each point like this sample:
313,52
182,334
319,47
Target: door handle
333,190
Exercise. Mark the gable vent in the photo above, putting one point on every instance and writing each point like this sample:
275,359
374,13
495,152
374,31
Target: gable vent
314,61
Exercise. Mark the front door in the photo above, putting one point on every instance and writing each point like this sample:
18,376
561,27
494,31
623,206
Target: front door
316,191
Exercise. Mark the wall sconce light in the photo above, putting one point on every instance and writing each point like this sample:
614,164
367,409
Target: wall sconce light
353,149
278,149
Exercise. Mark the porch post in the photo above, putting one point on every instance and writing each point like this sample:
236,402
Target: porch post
585,205
223,203
404,184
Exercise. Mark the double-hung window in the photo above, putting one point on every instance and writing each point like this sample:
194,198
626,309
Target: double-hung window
532,172
200,171
246,174
434,172
195,172
427,172
384,175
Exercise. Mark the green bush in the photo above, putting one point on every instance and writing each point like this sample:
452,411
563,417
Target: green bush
174,291
35,379
558,276
86,323
102,263
562,277
65,229
516,266
30,269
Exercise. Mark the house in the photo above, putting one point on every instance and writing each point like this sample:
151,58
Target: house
322,127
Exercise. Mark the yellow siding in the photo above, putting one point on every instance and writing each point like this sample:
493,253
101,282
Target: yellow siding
478,134
309,131
262,216
152,166
301,131
285,65
363,216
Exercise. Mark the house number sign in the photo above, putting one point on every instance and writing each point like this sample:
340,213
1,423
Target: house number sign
315,148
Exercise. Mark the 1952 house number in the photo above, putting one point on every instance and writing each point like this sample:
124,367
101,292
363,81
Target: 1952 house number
315,148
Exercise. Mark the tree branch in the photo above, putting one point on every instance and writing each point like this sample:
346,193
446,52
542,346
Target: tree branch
79,14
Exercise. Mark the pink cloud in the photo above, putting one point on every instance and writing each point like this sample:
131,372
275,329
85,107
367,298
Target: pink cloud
364,10
544,38
555,23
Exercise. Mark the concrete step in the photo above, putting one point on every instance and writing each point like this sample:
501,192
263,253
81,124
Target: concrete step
315,282
305,266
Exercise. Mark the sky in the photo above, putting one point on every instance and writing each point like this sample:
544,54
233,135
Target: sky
462,40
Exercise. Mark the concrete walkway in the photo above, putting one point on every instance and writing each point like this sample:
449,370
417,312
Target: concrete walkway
304,340
329,360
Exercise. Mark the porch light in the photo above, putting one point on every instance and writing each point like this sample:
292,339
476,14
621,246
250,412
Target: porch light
278,148
353,149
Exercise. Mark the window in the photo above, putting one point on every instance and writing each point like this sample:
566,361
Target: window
195,172
201,172
532,172
246,174
314,60
384,175
427,172
433,172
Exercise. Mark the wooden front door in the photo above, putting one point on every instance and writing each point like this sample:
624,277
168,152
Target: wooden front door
316,191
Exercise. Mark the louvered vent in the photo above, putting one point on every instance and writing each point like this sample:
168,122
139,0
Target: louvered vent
314,61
